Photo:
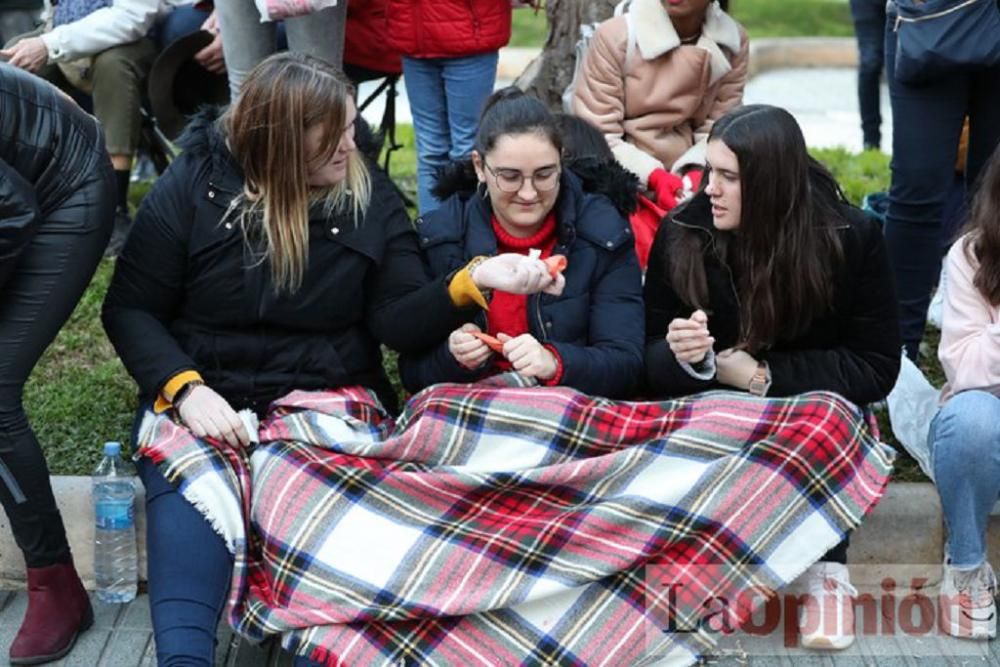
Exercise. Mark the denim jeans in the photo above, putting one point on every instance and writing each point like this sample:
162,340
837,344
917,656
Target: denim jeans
869,27
246,41
446,97
965,451
927,122
186,594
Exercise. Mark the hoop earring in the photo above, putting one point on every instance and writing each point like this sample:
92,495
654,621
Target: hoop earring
483,191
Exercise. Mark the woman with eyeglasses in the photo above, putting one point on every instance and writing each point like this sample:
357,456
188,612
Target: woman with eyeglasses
503,213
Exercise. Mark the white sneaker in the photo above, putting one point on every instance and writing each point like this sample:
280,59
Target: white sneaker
826,620
966,604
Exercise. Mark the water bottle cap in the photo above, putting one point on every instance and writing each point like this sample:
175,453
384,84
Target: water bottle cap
112,448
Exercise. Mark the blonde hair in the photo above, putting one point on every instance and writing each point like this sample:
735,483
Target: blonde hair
282,98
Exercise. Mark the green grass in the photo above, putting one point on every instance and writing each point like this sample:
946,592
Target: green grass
793,18
530,28
761,18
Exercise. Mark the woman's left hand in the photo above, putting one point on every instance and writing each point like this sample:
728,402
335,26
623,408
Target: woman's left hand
735,368
529,357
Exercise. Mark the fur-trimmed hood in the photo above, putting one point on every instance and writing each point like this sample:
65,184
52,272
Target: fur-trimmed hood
597,177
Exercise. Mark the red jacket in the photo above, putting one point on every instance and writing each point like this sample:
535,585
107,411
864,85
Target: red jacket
447,28
364,45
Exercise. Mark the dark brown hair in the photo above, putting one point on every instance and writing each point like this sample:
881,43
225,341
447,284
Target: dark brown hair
786,247
984,231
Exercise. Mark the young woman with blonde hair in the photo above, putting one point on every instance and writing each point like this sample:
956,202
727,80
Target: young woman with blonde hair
272,256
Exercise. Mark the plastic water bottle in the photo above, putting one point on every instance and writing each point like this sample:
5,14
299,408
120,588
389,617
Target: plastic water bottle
115,559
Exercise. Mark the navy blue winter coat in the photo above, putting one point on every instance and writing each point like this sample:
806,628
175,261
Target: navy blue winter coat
597,323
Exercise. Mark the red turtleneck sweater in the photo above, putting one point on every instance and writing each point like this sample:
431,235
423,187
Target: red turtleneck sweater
508,313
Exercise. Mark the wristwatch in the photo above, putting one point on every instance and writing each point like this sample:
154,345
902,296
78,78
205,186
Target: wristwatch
760,383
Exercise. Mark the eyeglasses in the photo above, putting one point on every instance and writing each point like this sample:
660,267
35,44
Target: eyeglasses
511,180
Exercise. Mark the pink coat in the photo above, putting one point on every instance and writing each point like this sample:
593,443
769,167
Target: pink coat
970,332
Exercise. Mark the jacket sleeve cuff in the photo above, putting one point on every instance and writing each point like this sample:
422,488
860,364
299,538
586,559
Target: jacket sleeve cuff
703,370
463,292
53,43
170,389
557,378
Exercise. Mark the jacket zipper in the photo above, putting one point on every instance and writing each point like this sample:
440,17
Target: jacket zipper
475,18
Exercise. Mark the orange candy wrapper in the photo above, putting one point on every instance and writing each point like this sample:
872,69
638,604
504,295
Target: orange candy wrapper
556,263
491,342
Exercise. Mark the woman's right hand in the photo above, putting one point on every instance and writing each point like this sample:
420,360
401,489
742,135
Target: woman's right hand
209,415
516,274
468,350
689,338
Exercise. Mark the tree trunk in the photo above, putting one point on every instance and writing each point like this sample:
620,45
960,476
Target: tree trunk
548,75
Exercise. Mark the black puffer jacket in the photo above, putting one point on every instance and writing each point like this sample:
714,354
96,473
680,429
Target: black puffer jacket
185,294
48,148
854,349
596,324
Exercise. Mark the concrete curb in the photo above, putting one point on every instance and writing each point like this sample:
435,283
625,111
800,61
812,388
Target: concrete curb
73,498
905,529
765,54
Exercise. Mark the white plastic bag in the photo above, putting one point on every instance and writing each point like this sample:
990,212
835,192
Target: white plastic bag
276,10
913,402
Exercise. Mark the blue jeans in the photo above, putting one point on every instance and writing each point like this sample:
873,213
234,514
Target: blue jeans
965,452
190,570
446,97
869,27
246,41
927,123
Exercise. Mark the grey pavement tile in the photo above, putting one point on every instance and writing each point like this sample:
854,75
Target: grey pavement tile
149,658
87,650
126,648
10,620
105,615
135,615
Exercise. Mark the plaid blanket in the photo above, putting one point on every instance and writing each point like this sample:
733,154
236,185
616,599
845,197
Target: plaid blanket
502,524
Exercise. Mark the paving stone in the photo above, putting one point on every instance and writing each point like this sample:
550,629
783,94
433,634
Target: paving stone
126,648
105,615
88,650
135,615
149,658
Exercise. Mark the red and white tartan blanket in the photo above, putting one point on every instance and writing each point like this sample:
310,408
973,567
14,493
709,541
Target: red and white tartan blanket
506,524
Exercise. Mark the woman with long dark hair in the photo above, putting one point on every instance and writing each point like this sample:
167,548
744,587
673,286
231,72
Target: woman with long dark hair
965,435
57,202
768,281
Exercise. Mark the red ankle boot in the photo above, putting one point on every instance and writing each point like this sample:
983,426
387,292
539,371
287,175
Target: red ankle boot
58,611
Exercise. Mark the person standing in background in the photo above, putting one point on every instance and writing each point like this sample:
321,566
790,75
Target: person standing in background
869,26
927,119
450,52
57,204
246,41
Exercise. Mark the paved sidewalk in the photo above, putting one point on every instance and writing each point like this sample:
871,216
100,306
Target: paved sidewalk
122,637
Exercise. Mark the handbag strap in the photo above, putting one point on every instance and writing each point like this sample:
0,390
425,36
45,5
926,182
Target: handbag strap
900,19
